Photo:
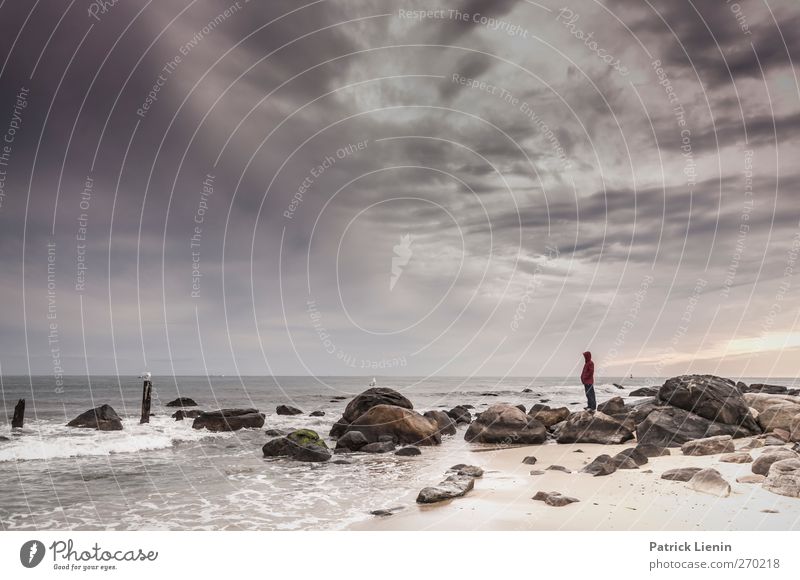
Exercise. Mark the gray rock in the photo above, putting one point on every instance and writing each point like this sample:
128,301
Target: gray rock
709,446
287,410
300,445
529,460
352,440
408,451
460,414
102,418
275,433
614,406
784,478
558,468
452,487
554,498
316,414
672,427
764,461
710,397
601,465
652,450
587,427
181,402
549,417
739,457
229,420
751,478
681,473
505,424
470,470
644,392
711,482
444,422
378,447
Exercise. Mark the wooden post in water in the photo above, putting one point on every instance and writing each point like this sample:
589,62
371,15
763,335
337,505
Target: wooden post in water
19,415
147,389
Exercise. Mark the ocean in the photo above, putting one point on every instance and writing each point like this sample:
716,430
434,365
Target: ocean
167,476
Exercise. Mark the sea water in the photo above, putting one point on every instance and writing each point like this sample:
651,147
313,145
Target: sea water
166,475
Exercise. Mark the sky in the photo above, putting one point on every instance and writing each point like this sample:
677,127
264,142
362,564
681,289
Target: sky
474,187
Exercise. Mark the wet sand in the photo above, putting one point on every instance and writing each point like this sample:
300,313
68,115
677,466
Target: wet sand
625,500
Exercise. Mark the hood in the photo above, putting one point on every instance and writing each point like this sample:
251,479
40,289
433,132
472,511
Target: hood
587,356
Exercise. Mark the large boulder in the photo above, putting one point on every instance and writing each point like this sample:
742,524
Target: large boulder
709,446
597,427
710,397
229,420
352,441
672,427
403,425
102,418
444,423
182,402
764,461
711,482
505,424
760,401
614,406
779,416
460,414
549,417
300,445
644,392
784,478
363,402
768,389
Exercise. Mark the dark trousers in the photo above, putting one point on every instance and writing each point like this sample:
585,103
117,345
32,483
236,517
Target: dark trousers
592,402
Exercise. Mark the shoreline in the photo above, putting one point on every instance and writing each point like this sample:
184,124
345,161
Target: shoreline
635,499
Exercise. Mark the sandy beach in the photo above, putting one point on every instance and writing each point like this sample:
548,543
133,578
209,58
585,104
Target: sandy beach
636,499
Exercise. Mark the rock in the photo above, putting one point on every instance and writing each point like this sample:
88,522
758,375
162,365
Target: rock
505,424
378,447
537,472
639,411
460,414
405,426
652,450
527,390
387,512
102,418
710,397
644,392
601,465
709,446
672,427
182,414
741,387
711,482
750,478
554,498
614,406
558,468
778,416
182,402
681,473
618,385
771,440
632,453
794,429
352,440
781,434
740,457
316,414
275,433
229,420
529,460
784,478
408,451
768,389
287,410
549,417
520,407
764,461
387,438
300,445
754,443
445,423
365,401
4,438
452,487
470,470
587,427
760,402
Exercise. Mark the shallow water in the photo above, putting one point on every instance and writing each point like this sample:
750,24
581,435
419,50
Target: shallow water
166,475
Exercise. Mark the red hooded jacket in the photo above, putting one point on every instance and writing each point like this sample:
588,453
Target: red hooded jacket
587,376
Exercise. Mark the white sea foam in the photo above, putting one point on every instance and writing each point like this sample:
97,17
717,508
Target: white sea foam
46,440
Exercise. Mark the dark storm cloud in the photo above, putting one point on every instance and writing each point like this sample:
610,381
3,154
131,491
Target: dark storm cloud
602,203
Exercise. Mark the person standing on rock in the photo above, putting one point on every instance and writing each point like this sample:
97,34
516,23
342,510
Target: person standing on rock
587,378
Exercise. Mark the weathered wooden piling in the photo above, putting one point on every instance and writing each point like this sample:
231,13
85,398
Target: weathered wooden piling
19,415
147,389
